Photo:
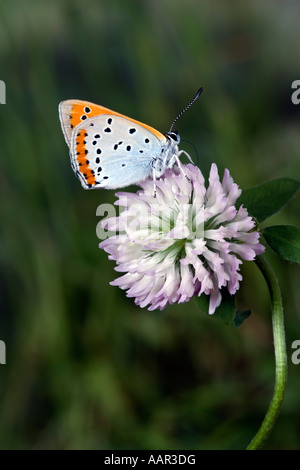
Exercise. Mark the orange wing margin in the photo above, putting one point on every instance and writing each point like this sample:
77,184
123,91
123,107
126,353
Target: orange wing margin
73,112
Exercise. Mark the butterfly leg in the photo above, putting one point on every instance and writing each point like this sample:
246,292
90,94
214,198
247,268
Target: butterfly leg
154,181
176,157
185,153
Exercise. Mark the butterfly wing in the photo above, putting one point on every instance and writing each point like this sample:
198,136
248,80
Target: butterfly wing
73,112
112,151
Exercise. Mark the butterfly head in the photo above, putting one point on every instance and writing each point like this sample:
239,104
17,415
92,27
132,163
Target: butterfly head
169,152
173,137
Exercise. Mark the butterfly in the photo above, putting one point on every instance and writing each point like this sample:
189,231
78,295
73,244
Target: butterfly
109,150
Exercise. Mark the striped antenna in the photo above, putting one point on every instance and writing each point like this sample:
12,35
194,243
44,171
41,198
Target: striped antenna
187,107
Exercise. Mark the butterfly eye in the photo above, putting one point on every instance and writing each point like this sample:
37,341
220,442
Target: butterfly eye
174,135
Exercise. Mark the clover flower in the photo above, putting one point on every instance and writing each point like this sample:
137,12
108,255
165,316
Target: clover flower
187,240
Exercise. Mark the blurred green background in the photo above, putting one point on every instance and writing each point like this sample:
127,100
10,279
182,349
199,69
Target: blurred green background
86,368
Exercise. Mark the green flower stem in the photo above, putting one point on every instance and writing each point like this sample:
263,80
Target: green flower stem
280,356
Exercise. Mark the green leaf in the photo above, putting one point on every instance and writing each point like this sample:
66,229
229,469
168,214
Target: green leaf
240,317
284,240
268,198
226,312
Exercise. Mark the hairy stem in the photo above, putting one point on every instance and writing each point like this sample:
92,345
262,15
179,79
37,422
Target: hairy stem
280,355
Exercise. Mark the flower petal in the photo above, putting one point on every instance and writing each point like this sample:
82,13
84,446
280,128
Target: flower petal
186,241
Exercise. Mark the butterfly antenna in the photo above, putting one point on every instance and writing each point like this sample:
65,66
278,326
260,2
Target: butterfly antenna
191,143
187,107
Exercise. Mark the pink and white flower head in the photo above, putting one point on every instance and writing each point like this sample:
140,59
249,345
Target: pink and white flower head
188,240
